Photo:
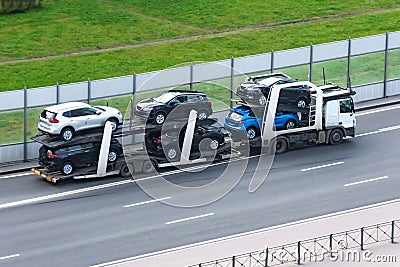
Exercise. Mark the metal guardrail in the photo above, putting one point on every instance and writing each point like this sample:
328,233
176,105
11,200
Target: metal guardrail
311,249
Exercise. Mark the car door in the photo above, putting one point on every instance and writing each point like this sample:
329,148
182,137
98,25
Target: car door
78,120
346,113
93,119
178,105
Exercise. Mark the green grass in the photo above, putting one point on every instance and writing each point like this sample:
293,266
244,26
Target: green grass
155,57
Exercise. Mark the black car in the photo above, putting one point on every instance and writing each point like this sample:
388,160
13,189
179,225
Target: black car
65,158
158,108
209,136
257,93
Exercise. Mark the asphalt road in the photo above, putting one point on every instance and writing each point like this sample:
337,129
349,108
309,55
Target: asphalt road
81,223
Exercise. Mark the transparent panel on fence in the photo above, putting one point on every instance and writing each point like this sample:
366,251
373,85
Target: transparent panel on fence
12,100
367,69
393,67
394,40
74,92
298,72
162,79
11,126
33,120
335,72
42,96
330,51
368,44
112,87
211,71
251,64
291,57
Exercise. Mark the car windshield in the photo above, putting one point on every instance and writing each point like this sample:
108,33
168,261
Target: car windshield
164,98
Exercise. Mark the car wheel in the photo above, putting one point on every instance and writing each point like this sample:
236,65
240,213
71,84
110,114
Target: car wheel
112,155
149,166
67,168
202,115
172,153
280,146
262,100
124,170
290,124
336,137
159,118
301,102
67,134
251,133
114,124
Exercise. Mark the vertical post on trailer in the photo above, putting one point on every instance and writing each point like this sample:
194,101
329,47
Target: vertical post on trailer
104,150
187,142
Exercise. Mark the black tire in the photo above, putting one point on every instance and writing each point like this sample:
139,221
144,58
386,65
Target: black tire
149,166
159,118
251,133
67,168
172,153
202,114
302,102
67,133
336,137
280,146
125,170
114,123
210,143
290,124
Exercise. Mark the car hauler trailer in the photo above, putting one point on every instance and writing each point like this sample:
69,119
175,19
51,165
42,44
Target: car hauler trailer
330,118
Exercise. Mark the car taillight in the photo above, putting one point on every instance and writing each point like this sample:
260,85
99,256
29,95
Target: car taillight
53,121
157,140
51,155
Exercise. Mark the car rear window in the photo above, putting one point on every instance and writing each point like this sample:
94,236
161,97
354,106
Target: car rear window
235,116
48,114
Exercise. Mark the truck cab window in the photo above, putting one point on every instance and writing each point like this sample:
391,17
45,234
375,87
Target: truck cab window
346,106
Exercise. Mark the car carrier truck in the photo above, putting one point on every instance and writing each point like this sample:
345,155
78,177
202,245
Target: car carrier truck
330,118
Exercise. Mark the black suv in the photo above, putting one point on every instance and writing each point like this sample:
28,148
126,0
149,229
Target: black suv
257,93
209,136
157,109
65,158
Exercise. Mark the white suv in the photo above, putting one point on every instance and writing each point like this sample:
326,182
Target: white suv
66,119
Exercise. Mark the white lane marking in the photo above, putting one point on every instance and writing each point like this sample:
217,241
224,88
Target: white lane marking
190,218
367,181
361,113
10,256
227,238
93,188
322,166
15,175
382,130
146,202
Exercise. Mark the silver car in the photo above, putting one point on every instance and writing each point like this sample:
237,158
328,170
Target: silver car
69,118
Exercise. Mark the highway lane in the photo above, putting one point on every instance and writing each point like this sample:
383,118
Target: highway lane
94,227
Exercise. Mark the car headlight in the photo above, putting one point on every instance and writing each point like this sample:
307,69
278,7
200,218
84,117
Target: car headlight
146,109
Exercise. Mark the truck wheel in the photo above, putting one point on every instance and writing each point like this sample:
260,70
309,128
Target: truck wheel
149,166
124,170
280,146
336,137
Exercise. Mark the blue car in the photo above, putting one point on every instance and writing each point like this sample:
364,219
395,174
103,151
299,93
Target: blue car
242,118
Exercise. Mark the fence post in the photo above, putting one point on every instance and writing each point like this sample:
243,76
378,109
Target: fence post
89,94
133,100
266,257
362,238
311,63
392,236
331,244
233,261
58,93
25,123
348,63
191,77
298,253
232,73
272,60
386,65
